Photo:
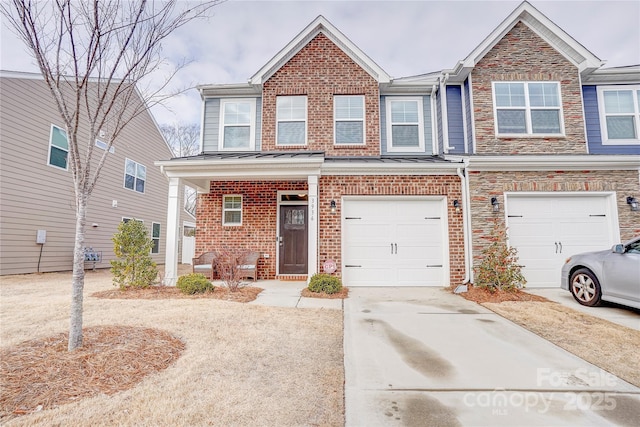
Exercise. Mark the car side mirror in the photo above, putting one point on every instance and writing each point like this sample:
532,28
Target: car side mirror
619,249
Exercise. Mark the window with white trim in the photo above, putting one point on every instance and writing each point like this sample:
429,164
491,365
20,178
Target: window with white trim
527,108
348,114
232,210
237,124
619,114
135,176
58,148
291,118
155,237
405,124
103,146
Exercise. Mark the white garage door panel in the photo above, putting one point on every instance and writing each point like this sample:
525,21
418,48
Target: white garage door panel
393,242
547,229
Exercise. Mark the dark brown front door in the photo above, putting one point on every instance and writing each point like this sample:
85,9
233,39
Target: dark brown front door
293,240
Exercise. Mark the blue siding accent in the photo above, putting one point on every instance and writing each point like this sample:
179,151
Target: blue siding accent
211,126
428,127
592,122
455,119
468,117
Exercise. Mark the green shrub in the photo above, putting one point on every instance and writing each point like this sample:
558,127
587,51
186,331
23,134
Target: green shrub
325,283
135,267
194,283
499,268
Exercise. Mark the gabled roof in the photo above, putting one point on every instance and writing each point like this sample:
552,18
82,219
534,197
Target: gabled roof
320,25
557,38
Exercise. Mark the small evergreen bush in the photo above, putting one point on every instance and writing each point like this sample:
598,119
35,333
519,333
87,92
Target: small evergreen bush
135,267
325,283
499,268
194,283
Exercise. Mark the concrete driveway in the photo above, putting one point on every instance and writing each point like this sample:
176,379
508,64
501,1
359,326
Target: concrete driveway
425,357
625,316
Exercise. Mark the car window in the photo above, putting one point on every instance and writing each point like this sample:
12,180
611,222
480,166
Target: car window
634,247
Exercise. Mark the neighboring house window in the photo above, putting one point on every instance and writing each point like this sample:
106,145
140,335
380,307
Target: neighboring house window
103,145
125,219
405,128
620,114
529,108
237,124
232,210
135,176
291,118
58,147
155,236
348,113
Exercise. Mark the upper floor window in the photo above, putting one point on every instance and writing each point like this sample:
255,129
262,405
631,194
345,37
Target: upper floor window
405,127
348,113
291,118
620,114
232,210
58,147
238,124
135,176
529,108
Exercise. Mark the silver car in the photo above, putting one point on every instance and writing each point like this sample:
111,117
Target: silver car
612,275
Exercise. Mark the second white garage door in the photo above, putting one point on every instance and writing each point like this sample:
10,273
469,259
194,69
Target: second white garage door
395,241
546,229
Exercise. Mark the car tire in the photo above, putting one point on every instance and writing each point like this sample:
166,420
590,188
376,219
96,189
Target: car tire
585,287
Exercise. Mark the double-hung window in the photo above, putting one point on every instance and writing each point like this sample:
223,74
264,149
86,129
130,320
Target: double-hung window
405,124
620,114
155,237
291,118
232,210
237,124
348,113
58,147
527,108
135,176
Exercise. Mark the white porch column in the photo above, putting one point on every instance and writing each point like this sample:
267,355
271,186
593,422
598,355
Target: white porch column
173,230
312,181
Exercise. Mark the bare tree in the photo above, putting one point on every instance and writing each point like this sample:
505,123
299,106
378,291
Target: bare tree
94,55
183,138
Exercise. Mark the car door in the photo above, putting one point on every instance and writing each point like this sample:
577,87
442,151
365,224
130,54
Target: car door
622,273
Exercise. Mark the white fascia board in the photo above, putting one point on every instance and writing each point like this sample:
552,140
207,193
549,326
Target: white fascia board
229,90
319,25
533,18
621,75
552,163
366,168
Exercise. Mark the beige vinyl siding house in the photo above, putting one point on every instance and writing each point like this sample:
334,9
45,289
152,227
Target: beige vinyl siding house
35,195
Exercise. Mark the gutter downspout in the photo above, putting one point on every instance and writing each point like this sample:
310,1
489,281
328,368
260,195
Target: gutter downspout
466,223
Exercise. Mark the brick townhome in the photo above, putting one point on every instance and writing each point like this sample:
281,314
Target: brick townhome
323,157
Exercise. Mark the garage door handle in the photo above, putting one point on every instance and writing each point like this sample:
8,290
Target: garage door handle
396,246
435,266
556,243
351,266
560,243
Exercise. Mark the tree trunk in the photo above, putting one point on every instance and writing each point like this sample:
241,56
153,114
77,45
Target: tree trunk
75,326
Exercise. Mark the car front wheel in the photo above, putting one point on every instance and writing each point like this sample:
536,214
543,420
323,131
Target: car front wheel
585,287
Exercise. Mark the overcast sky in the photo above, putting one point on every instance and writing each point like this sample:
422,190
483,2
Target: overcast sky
403,37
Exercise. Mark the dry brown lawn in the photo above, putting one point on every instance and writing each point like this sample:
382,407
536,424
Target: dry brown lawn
241,364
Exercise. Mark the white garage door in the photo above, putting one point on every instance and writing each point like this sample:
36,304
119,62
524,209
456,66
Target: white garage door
547,229
394,241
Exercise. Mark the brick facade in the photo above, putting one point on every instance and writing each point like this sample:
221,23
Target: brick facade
259,219
484,185
335,187
523,56
321,70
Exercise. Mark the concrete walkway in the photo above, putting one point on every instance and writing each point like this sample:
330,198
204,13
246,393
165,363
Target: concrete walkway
425,357
287,294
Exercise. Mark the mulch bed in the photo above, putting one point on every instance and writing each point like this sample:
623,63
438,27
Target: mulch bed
245,294
482,295
41,374
344,293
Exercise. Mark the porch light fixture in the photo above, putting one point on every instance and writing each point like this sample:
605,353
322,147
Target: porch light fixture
633,203
495,204
456,205
333,206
